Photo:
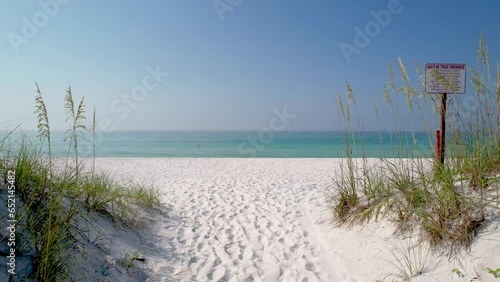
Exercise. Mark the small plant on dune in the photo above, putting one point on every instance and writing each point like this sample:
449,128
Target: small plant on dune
76,117
409,261
99,190
494,272
50,228
347,197
46,219
140,193
458,273
126,206
128,259
102,194
31,173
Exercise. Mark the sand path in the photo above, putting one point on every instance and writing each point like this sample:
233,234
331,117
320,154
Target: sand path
239,219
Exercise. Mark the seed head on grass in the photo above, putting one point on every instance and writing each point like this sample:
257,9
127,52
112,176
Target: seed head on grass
43,120
75,117
482,53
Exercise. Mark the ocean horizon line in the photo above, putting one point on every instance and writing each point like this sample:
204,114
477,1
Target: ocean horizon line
235,130
267,144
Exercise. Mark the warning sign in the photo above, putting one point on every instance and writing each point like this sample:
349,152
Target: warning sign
445,78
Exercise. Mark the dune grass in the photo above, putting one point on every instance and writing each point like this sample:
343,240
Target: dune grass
445,205
52,195
409,261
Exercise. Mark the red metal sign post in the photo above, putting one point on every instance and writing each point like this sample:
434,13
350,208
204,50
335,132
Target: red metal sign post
442,133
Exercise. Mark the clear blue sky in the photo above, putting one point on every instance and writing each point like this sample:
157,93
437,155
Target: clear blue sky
227,70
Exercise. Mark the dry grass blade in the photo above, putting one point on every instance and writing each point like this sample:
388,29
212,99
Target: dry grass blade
8,134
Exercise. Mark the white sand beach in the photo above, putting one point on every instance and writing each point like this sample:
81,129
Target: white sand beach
268,220
239,141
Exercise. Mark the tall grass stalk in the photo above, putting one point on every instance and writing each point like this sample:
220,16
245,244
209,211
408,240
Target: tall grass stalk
346,184
76,117
94,124
498,101
43,122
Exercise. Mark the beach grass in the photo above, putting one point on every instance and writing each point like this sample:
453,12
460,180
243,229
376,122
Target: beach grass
52,195
444,204
408,261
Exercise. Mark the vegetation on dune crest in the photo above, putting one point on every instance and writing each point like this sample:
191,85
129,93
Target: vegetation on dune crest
51,199
445,205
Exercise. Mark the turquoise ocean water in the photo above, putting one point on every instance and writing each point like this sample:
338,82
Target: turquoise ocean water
240,144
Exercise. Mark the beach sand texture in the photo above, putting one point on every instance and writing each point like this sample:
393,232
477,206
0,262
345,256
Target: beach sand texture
264,220
240,219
